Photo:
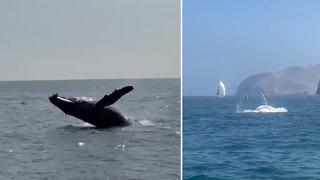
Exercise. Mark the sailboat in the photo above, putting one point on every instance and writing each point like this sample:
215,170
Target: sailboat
221,90
318,89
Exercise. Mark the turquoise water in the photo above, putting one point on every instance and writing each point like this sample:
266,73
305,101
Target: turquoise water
222,144
38,141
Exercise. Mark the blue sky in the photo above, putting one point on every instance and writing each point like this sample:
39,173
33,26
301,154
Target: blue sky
230,40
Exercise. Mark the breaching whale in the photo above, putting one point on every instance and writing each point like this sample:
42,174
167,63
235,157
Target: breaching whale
99,114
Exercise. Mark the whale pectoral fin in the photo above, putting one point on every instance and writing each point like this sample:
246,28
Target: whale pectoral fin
113,97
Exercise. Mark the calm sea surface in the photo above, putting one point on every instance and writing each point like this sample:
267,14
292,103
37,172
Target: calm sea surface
38,141
222,144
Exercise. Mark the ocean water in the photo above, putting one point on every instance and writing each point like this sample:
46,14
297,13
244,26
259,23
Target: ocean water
219,143
38,141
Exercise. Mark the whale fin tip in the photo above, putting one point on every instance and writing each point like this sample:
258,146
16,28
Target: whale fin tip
107,100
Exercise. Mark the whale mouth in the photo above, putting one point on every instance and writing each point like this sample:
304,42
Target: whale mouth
64,99
58,101
55,98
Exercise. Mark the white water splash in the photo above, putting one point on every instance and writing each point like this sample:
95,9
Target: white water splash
240,103
87,125
83,125
264,98
120,146
146,123
80,143
266,109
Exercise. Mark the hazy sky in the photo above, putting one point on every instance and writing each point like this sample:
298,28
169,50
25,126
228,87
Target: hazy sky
231,39
81,39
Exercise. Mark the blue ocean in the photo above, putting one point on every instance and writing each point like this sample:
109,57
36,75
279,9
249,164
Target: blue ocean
222,142
38,141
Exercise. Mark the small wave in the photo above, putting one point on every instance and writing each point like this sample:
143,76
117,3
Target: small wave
266,109
76,127
86,125
201,177
146,123
10,150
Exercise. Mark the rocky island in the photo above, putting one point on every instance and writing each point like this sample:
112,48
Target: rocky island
297,80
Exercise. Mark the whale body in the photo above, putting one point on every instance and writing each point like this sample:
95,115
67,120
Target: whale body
99,114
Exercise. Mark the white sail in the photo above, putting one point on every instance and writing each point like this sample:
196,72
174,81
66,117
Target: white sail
221,91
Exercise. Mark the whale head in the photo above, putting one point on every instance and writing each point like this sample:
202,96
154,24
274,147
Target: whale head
59,101
68,105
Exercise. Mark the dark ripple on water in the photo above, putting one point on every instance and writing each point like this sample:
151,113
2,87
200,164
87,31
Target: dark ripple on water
39,142
222,144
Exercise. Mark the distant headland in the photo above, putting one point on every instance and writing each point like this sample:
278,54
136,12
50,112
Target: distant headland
296,80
